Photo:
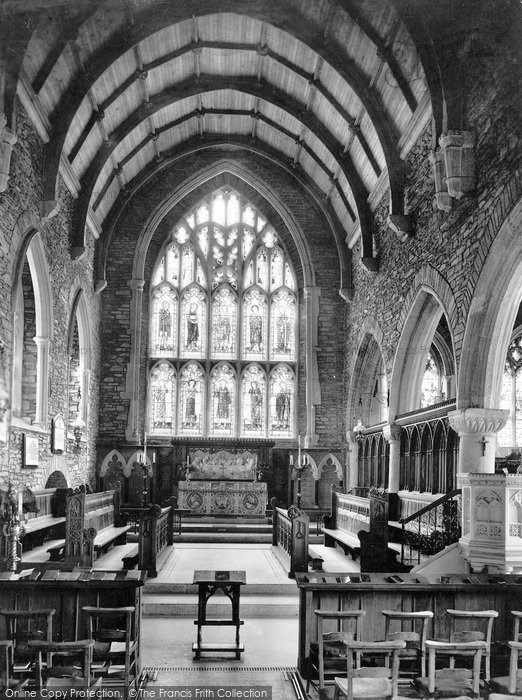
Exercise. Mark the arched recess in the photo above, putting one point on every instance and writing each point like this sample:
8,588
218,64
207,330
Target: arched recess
80,317
369,371
32,253
311,292
423,309
491,318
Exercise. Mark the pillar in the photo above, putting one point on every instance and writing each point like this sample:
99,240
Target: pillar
313,387
392,433
351,479
133,369
477,429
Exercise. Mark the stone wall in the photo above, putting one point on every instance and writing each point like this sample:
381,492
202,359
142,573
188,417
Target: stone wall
447,249
116,297
19,217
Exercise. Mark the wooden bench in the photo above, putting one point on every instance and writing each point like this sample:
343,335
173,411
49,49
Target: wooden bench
44,516
315,560
348,541
350,515
95,524
130,560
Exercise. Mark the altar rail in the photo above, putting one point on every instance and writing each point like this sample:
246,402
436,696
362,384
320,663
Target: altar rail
376,592
290,535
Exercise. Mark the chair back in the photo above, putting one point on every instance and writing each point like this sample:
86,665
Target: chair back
454,678
380,681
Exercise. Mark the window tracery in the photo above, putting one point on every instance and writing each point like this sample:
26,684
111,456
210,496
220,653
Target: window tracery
224,320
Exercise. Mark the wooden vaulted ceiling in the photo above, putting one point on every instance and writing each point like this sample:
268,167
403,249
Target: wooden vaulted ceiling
328,88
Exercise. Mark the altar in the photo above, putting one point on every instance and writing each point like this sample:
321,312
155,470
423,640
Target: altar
246,498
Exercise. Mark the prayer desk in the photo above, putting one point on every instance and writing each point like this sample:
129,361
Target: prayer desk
209,582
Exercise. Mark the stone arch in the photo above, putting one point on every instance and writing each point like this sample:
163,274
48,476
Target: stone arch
429,298
32,248
56,480
491,318
331,458
368,358
56,465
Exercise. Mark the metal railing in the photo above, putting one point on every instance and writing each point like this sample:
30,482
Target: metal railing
431,529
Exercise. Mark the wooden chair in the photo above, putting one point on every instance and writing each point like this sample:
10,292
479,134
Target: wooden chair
113,631
510,685
472,626
328,655
452,682
21,627
370,682
413,629
6,673
71,664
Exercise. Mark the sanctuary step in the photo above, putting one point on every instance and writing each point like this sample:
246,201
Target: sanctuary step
228,530
218,607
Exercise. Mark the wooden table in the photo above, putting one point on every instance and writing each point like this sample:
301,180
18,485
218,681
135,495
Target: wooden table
209,582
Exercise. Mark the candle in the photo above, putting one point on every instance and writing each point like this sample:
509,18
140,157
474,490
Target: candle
145,448
291,460
299,451
20,505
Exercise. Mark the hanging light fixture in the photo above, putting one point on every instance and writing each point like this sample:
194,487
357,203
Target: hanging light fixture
359,431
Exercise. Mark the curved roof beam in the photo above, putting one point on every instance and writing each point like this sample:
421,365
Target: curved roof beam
272,12
383,51
166,58
197,144
192,87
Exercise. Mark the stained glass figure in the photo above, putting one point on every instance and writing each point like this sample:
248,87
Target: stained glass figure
163,395
191,402
282,326
187,265
173,264
249,276
261,269
253,401
224,314
281,400
431,383
164,324
202,214
193,323
200,275
223,386
289,278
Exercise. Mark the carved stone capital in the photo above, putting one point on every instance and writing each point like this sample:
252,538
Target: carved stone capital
392,432
482,421
459,161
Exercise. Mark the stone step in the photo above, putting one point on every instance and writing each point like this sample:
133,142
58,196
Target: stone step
219,607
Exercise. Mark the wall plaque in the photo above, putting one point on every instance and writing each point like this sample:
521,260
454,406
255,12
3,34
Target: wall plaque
30,451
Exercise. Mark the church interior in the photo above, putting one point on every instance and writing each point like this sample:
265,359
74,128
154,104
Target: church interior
261,296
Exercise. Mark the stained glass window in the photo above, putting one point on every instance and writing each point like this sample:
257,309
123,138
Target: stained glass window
223,318
162,398
431,390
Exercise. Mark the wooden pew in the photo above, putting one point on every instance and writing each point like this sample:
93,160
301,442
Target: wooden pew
350,515
290,530
44,517
93,524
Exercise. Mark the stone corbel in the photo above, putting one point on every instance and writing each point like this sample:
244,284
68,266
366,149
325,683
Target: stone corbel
7,140
442,196
370,264
401,225
459,161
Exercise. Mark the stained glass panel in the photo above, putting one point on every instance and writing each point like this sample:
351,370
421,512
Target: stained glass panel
187,265
164,322
192,400
254,327
277,262
262,269
173,264
223,400
281,402
253,396
193,323
162,398
431,383
236,302
283,326
224,320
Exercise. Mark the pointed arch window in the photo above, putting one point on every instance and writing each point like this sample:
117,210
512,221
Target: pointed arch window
509,439
223,313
